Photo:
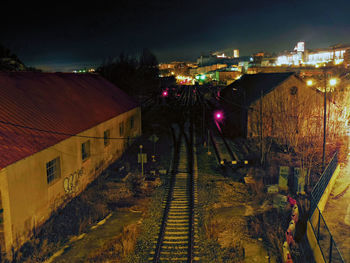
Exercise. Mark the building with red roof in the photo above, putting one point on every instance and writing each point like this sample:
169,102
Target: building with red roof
58,131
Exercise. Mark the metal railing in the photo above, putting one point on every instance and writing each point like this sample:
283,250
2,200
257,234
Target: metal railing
325,240
328,247
322,184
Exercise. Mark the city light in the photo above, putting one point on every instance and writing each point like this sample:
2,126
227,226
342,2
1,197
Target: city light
333,82
165,93
184,79
309,82
299,57
221,56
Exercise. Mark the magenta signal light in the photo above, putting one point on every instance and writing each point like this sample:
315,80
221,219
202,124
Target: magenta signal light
165,93
218,115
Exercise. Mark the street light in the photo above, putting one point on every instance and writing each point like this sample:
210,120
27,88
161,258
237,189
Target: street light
141,146
309,82
333,82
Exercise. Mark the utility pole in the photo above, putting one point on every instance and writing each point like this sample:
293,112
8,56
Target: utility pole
261,126
203,122
324,119
208,140
141,160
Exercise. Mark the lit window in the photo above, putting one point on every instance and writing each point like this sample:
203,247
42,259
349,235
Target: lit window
121,129
53,170
106,136
132,122
85,150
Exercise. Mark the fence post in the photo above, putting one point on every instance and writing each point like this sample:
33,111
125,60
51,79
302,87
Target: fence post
330,250
318,225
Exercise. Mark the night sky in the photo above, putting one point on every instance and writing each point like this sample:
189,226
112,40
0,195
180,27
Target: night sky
61,36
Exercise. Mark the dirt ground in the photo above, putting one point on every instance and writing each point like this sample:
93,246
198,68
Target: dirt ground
230,212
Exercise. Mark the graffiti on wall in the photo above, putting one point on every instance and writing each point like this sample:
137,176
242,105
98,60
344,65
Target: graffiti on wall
71,182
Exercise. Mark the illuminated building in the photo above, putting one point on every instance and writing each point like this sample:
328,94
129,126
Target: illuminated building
174,68
205,69
301,57
163,66
327,55
91,70
57,144
296,57
272,100
236,53
225,76
184,80
300,47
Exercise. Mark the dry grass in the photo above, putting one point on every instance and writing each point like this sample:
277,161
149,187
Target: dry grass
271,228
211,226
94,204
117,249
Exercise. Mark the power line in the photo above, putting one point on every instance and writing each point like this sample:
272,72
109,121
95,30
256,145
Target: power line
62,133
273,112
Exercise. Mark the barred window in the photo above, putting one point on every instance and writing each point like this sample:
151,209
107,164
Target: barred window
53,170
106,136
132,122
121,129
293,90
85,150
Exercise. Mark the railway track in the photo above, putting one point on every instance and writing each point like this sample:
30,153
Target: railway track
178,230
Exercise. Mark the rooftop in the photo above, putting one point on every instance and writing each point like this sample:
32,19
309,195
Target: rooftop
62,102
249,87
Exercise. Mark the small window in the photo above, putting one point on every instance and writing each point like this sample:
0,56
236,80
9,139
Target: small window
53,170
85,150
121,129
132,122
106,136
293,90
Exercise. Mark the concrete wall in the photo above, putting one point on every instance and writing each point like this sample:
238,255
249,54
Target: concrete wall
313,244
29,200
314,218
324,199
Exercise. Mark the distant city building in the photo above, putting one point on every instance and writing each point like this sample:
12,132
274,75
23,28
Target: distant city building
202,70
300,47
227,53
226,76
84,70
164,66
227,56
336,55
175,68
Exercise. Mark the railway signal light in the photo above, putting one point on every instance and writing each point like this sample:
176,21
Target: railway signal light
218,115
165,93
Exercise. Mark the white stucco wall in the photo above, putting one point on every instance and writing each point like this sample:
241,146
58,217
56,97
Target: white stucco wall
28,199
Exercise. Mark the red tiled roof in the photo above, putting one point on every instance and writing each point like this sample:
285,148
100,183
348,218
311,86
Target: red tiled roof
62,102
